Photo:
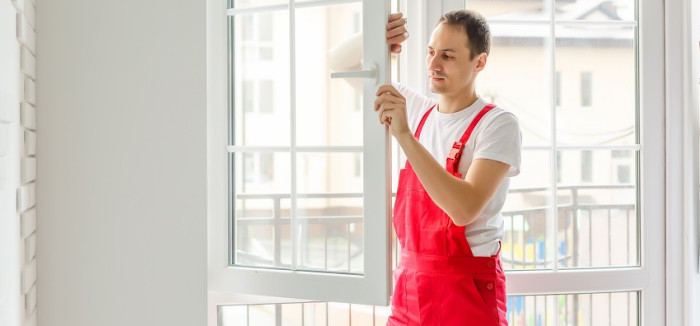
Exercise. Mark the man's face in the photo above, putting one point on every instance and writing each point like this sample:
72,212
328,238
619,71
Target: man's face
450,70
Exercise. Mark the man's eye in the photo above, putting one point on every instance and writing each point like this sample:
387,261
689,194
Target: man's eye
447,57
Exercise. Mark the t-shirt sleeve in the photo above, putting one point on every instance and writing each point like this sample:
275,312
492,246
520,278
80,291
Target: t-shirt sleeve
416,104
501,141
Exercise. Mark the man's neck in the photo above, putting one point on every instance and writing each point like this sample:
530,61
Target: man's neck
457,102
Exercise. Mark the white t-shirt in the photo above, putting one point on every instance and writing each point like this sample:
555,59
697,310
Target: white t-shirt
496,137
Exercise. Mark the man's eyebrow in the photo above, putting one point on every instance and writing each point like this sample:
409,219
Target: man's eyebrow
442,50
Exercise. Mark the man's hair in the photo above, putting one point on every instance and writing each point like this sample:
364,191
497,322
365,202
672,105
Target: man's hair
474,24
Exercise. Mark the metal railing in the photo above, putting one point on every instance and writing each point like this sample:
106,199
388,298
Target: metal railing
525,243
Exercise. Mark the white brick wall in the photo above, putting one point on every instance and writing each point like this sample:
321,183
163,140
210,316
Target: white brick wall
11,312
18,222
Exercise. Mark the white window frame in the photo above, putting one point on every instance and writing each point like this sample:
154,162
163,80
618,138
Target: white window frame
227,283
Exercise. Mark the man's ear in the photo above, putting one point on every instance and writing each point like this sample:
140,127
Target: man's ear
481,62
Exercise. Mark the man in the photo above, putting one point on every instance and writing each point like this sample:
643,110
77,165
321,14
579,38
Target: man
461,152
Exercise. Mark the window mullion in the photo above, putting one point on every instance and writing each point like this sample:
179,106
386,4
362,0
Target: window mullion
552,221
292,136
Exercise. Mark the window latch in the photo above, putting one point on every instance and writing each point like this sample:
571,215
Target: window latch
371,74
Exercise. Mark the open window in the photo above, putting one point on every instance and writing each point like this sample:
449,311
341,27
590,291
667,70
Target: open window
584,222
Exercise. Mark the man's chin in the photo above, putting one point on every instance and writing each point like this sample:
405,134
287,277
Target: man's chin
436,90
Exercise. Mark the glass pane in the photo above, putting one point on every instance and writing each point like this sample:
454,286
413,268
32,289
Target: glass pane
328,110
238,4
511,9
525,215
338,314
616,10
315,313
292,314
329,172
261,79
330,211
598,223
262,173
361,314
381,315
598,85
262,314
234,315
518,57
263,232
262,205
619,309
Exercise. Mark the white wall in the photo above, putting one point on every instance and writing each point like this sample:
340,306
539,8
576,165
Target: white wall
694,225
122,163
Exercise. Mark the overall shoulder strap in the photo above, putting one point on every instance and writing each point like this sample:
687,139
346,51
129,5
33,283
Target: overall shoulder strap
422,122
457,148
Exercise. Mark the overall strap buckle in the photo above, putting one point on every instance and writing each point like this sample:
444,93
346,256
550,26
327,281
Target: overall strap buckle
454,157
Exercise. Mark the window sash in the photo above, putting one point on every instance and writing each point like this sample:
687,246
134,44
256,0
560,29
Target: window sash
374,285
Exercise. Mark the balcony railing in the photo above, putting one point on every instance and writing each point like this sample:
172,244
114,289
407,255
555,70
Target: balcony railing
525,244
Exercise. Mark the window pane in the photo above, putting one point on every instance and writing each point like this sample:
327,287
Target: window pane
328,173
330,212
262,314
261,79
261,173
331,239
234,315
510,10
598,309
598,221
525,215
338,314
262,227
292,314
326,41
595,10
519,57
598,85
263,232
315,313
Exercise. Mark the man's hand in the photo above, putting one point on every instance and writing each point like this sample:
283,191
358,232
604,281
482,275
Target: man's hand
396,32
391,107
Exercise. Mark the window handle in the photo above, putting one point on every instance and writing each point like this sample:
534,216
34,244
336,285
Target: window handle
371,74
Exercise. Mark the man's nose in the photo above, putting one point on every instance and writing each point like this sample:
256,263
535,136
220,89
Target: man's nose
434,63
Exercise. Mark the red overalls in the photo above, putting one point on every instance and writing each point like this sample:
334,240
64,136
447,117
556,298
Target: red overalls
438,280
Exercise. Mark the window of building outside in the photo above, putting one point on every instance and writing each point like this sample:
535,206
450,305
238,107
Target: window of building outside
586,166
586,91
574,208
557,88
